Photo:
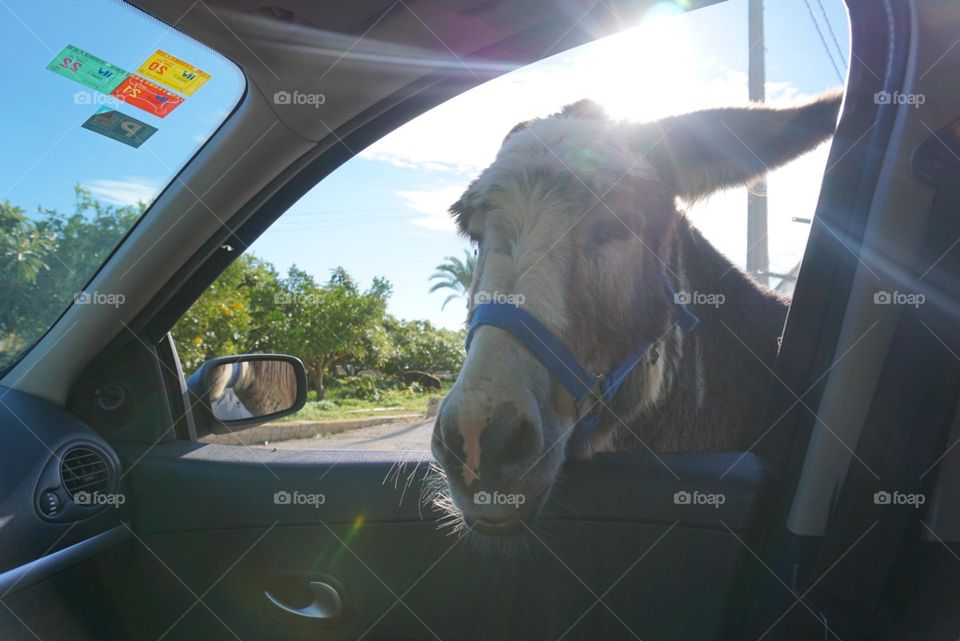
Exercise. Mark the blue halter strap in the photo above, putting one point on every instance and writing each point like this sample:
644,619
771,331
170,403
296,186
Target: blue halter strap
563,365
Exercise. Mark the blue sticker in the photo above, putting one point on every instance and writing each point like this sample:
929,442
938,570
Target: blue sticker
119,126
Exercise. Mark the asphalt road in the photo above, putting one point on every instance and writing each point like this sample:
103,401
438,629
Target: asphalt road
395,436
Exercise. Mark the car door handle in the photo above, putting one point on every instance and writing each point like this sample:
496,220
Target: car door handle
326,605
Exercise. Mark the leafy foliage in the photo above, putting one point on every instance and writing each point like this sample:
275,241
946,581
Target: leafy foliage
362,387
456,275
235,314
46,258
331,324
418,345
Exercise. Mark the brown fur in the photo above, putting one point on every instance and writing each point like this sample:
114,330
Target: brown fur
264,387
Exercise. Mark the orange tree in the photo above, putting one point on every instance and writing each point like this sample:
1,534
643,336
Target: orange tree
333,323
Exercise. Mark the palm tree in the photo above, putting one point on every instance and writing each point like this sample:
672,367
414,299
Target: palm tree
454,274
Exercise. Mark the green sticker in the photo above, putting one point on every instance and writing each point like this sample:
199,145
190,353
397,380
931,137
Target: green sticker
119,126
88,70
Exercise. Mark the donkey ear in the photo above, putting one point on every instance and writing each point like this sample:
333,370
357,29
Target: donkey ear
702,152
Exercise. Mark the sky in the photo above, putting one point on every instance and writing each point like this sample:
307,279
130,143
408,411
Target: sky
384,212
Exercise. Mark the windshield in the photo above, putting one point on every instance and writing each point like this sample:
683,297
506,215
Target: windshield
102,112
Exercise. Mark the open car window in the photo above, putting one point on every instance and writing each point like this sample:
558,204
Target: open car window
366,278
106,107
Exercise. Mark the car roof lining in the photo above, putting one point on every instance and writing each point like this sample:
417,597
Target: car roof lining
362,53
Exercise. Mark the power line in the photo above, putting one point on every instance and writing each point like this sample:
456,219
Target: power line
318,225
833,36
329,212
346,219
823,40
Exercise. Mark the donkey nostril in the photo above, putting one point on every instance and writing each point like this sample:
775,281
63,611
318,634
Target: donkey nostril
446,440
520,445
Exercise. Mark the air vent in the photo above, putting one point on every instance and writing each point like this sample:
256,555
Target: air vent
84,470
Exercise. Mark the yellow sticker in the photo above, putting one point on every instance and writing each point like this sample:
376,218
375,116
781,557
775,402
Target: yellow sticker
173,72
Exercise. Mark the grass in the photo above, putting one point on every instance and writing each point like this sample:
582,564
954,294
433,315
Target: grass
392,402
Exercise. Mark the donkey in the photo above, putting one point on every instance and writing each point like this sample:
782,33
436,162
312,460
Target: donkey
578,229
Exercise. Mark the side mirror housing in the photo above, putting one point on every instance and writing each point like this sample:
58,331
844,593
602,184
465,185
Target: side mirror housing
248,389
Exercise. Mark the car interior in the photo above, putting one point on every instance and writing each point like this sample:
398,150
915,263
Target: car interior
863,403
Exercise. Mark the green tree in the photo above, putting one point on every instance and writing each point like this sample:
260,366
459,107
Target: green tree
456,275
419,345
234,315
46,258
85,238
23,257
332,323
250,308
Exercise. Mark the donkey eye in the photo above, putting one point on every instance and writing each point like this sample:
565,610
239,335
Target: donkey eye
609,229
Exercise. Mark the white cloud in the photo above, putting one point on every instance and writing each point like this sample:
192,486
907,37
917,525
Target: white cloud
433,204
128,191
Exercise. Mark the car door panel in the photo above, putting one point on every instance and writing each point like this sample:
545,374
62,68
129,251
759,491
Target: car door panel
213,529
76,604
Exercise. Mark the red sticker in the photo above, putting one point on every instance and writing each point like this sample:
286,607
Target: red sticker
142,93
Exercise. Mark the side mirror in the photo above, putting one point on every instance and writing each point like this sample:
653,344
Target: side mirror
248,389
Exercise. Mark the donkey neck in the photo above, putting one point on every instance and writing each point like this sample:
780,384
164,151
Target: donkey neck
740,309
714,377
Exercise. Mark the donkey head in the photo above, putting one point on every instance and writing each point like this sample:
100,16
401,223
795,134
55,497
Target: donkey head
573,222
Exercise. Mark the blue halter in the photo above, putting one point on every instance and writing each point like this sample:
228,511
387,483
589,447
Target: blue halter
564,366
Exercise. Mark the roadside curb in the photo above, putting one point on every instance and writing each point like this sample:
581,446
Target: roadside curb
287,431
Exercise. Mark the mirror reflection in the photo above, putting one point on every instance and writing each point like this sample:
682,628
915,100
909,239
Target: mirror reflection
250,389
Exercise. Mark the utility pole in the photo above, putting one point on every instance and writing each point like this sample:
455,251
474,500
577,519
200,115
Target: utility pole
758,258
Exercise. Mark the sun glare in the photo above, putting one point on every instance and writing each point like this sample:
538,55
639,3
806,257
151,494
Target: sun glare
627,81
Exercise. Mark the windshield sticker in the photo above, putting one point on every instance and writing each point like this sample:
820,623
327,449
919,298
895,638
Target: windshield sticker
173,72
145,95
78,65
119,126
